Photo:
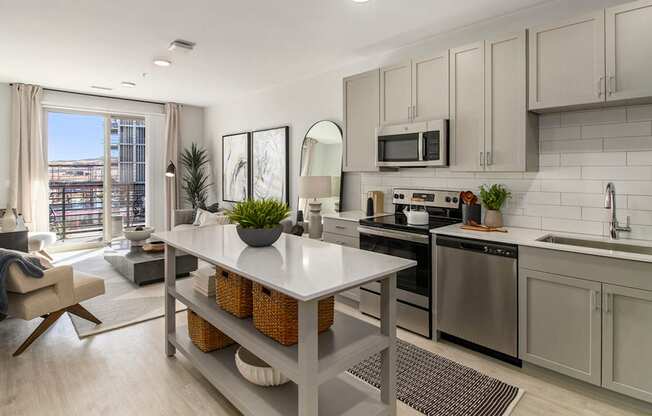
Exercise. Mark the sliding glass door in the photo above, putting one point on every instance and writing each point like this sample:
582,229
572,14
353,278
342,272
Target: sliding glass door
89,203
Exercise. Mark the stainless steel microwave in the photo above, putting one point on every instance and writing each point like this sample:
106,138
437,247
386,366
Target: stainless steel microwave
413,145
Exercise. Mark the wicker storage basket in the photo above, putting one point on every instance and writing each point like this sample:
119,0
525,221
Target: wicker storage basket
277,315
233,293
204,335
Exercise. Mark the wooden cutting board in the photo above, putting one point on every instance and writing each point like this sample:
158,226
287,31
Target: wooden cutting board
483,228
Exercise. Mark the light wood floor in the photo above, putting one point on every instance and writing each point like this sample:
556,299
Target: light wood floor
125,372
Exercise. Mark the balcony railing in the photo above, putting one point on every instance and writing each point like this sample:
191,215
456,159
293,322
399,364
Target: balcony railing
77,208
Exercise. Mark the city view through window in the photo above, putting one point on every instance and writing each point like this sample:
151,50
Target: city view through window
76,154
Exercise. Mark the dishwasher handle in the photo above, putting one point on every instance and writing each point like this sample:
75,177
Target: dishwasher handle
478,246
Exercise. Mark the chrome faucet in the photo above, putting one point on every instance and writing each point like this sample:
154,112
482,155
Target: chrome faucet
610,204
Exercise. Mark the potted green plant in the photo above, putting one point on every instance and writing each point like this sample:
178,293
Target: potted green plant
493,199
259,222
195,177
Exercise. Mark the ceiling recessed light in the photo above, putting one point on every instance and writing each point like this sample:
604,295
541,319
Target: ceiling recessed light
97,87
128,84
162,62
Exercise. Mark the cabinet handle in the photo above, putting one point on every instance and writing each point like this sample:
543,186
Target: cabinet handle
490,161
339,227
600,86
409,112
608,306
481,158
595,299
414,112
612,84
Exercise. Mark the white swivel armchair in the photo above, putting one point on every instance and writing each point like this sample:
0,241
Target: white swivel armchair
60,290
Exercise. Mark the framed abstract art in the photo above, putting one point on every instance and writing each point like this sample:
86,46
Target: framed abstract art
269,164
235,167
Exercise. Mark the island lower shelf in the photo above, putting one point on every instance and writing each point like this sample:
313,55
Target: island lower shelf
343,395
345,344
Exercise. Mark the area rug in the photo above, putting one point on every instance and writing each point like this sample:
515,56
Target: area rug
124,302
437,386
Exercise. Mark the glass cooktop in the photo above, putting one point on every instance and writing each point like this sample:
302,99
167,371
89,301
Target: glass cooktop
399,222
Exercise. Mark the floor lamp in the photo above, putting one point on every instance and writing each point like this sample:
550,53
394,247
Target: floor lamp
170,173
314,187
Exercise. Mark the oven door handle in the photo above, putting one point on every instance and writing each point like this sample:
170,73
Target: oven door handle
397,235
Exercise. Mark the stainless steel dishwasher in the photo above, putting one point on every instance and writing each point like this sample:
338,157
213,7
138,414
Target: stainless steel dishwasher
477,294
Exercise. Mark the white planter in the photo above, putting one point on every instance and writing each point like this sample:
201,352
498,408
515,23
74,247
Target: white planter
256,371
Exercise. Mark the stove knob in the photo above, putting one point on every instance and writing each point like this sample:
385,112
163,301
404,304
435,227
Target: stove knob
448,199
395,196
402,196
455,200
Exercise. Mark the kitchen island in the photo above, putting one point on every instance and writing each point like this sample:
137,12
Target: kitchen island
306,270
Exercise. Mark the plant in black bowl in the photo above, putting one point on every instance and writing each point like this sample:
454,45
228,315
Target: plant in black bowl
259,222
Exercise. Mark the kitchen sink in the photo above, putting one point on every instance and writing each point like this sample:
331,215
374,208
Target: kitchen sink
603,245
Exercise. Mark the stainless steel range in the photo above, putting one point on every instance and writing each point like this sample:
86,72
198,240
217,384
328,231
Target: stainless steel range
394,235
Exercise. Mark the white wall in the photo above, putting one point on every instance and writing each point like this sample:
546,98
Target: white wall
5,98
306,101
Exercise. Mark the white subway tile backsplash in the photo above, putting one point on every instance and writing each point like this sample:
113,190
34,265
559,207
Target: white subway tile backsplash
558,146
639,158
572,186
594,159
549,159
553,211
560,133
572,226
628,143
639,112
643,128
639,202
609,115
550,120
580,151
634,173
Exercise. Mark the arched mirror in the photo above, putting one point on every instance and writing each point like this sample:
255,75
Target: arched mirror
321,158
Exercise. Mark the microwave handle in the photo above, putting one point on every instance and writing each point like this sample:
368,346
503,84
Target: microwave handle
424,147
421,146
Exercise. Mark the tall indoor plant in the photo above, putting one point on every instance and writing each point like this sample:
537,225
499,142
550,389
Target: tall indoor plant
259,222
195,178
493,199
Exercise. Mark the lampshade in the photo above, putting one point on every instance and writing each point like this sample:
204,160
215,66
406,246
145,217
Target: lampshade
314,186
171,170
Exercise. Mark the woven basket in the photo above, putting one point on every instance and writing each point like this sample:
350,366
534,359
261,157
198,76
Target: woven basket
204,335
277,315
233,293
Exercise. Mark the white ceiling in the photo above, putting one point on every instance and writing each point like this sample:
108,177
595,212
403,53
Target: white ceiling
242,45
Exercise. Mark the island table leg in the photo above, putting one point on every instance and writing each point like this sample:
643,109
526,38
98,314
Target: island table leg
170,301
388,356
308,359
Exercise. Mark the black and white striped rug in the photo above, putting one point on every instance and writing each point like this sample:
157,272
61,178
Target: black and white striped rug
437,386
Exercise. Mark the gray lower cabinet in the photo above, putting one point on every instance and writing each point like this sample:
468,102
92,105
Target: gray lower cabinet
627,341
560,324
343,233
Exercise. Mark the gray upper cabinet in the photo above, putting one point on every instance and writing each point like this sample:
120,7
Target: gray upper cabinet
560,324
567,63
627,341
430,87
396,93
467,107
361,118
628,51
491,129
511,134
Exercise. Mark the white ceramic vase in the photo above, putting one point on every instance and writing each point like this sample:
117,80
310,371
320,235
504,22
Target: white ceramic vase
9,221
493,218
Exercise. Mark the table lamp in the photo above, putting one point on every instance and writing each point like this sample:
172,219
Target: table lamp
313,187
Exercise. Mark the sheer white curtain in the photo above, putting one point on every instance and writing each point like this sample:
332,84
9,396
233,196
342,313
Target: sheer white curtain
28,188
172,139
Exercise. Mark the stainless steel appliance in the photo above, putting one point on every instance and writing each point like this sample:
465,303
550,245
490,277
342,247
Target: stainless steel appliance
415,144
391,234
477,294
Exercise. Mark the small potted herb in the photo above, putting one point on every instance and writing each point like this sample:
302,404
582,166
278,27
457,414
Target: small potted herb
259,222
493,199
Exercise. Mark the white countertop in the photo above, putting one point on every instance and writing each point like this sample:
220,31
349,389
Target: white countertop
528,237
353,216
302,268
